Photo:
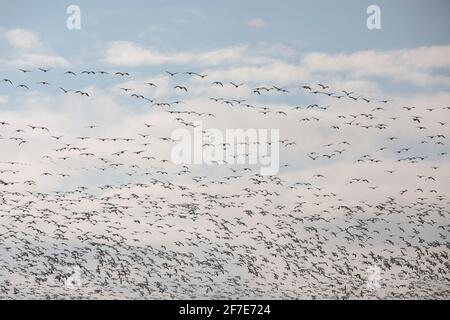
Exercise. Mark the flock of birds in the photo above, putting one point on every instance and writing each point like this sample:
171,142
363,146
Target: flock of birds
144,228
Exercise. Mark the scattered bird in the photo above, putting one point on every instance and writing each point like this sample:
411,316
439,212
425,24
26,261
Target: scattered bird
109,203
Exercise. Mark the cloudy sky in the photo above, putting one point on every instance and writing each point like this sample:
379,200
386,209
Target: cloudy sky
256,43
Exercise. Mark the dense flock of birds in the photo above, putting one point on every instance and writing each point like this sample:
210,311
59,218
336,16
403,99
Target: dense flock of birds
148,229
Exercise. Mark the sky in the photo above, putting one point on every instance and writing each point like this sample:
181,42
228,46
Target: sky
289,45
330,26
292,29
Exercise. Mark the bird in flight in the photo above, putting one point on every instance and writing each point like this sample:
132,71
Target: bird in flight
236,85
25,71
65,90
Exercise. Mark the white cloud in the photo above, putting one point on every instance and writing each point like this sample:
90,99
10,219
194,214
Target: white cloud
21,38
267,63
256,23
